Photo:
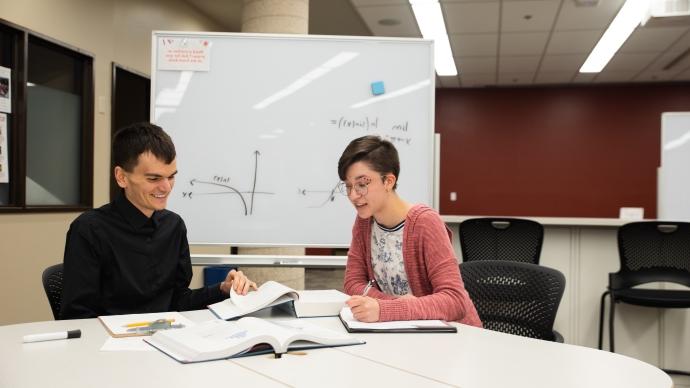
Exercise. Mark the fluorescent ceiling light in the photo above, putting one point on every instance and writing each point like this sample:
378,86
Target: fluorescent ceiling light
619,30
430,21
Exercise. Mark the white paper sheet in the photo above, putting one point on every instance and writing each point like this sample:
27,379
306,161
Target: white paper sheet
126,344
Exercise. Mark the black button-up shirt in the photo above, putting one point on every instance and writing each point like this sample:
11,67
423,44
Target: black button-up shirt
118,261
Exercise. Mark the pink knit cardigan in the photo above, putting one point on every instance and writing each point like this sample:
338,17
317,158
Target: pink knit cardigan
431,267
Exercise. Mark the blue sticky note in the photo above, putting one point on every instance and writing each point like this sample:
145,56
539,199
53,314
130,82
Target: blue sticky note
377,88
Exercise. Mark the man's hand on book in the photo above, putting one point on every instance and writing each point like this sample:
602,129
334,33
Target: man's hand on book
364,308
239,281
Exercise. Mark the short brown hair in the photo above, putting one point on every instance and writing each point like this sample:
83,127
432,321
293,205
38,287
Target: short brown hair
133,140
379,154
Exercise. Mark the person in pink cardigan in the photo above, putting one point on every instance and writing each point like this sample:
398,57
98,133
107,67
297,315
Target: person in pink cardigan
402,250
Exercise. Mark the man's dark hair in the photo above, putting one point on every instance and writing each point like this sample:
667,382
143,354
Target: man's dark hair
379,154
133,140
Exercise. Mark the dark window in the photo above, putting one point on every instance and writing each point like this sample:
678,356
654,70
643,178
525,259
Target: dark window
51,130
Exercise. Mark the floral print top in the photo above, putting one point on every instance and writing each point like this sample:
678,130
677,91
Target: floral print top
387,259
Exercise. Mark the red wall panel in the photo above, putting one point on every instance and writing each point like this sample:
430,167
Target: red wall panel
560,152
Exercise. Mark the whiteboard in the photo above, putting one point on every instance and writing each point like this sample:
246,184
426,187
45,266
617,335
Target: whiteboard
673,190
260,121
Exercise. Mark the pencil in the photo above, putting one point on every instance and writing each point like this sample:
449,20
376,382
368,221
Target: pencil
145,323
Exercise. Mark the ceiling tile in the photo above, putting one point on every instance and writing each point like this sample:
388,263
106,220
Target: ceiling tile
449,82
359,3
515,78
587,18
651,39
683,76
630,62
683,43
553,78
584,78
655,76
528,15
464,45
476,64
573,42
476,80
614,76
523,43
471,17
402,13
570,63
526,64
666,58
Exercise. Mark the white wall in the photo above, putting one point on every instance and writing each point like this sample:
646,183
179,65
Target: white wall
111,30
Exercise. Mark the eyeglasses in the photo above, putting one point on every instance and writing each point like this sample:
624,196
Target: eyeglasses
361,186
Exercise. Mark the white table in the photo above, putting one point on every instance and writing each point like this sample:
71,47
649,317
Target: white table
472,358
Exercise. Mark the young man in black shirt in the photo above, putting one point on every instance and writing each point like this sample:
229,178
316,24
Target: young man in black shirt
132,255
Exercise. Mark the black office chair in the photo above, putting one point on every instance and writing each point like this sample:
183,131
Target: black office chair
515,298
52,284
649,252
511,239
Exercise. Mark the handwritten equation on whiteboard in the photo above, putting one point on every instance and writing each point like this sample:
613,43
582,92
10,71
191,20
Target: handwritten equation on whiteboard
396,132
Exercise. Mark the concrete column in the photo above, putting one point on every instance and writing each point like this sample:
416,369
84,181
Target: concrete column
283,17
276,16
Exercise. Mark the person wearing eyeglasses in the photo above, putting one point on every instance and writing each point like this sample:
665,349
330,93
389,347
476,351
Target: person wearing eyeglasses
401,264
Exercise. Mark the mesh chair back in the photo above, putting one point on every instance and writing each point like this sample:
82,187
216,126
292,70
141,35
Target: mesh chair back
653,251
52,284
515,298
511,239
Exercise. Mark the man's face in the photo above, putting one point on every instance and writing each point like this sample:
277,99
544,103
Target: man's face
148,185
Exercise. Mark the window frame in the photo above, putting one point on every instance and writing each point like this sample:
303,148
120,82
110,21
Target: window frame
17,146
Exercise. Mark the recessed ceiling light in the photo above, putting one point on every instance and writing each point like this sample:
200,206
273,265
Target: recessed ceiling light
388,22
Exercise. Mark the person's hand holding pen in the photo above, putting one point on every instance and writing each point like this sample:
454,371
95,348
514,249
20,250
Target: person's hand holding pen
364,308
238,281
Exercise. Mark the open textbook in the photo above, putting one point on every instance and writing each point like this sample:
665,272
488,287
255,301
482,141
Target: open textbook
218,339
312,303
352,325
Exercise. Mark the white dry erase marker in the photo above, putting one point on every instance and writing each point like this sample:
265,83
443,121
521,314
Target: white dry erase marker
52,336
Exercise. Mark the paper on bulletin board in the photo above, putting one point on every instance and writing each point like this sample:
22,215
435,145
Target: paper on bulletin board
184,54
5,90
4,167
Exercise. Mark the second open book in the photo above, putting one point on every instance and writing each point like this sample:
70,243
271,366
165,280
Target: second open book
311,303
217,339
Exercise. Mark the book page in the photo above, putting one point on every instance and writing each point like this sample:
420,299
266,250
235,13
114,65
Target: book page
266,295
353,323
128,325
211,340
269,294
298,333
218,339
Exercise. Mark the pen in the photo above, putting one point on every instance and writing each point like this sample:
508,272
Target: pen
158,321
52,336
368,287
